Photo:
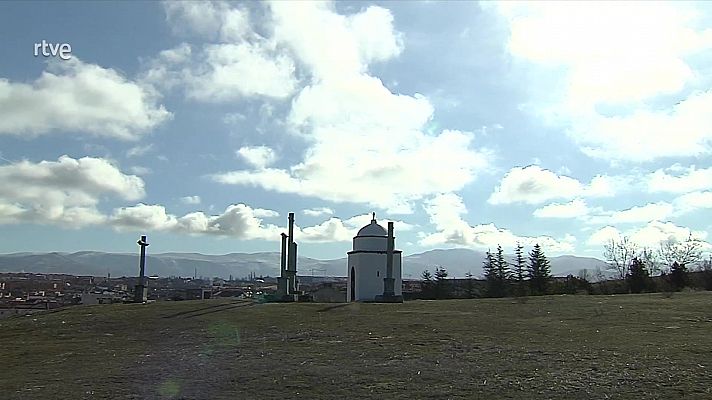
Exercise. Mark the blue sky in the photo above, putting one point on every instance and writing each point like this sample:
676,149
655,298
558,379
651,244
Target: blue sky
470,125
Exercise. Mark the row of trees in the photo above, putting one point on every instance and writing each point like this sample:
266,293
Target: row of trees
634,269
502,278
636,266
518,278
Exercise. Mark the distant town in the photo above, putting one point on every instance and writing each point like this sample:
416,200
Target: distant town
26,293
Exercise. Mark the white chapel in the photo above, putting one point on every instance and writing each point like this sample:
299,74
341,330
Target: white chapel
369,262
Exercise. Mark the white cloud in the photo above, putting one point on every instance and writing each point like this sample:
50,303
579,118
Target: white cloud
366,143
645,213
573,209
72,96
264,213
693,201
649,235
336,47
242,70
139,150
648,212
331,230
139,170
338,230
613,53
620,56
359,221
446,210
143,216
535,185
65,191
655,232
238,220
190,200
317,212
209,20
678,179
604,236
242,64
257,156
683,130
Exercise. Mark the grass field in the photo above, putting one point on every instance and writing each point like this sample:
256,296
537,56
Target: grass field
563,347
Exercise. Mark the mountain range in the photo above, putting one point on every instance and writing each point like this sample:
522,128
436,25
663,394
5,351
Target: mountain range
458,262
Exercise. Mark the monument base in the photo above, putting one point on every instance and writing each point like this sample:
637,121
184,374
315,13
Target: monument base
140,294
388,298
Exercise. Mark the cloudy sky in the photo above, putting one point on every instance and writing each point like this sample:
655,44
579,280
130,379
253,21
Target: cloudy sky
470,125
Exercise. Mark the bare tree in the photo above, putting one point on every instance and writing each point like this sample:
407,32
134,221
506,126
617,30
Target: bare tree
688,252
620,253
650,260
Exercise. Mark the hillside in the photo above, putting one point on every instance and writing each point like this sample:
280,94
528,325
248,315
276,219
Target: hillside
558,347
457,261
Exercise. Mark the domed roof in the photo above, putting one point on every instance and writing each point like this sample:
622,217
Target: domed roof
372,229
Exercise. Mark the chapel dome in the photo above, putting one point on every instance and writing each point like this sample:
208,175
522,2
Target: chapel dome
372,229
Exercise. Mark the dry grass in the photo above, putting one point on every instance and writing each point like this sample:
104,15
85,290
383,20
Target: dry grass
563,347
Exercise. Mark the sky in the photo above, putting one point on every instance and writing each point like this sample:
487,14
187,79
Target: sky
202,125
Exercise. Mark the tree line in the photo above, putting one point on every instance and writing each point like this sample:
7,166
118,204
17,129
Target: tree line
667,268
524,276
631,269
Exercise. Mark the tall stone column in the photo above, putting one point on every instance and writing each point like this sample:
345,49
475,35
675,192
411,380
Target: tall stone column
389,280
141,290
282,284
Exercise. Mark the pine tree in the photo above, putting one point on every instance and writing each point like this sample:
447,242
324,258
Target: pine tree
502,265
678,276
502,269
538,272
519,270
495,285
469,286
427,286
638,277
441,284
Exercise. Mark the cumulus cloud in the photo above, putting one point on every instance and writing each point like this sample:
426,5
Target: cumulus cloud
693,201
338,230
216,21
685,129
65,191
679,179
366,144
649,235
446,211
238,221
573,209
331,230
535,185
661,210
139,170
359,221
649,212
317,212
79,98
257,156
139,150
619,56
381,177
190,199
235,63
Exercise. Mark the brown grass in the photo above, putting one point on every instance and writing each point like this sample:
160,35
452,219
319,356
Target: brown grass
562,347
